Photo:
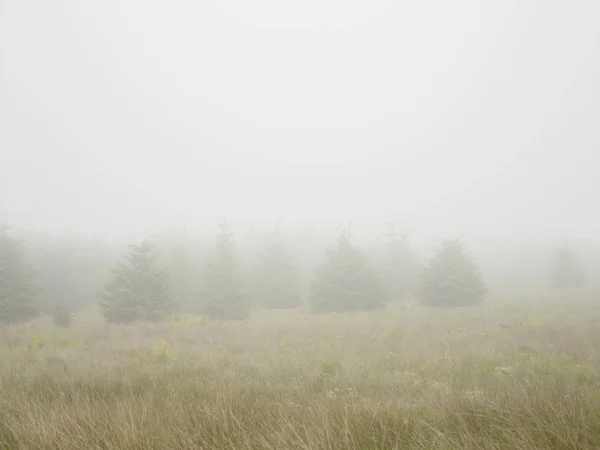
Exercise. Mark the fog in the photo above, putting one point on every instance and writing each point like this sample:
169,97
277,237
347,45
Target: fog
299,224
119,117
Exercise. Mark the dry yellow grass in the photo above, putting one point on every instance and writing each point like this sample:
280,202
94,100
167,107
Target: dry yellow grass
502,375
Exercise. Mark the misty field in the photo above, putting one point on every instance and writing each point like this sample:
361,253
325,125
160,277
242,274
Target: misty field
499,375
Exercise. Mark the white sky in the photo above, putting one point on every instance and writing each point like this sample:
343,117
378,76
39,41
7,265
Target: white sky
481,117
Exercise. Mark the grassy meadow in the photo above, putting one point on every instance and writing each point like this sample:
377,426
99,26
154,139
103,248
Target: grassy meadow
502,375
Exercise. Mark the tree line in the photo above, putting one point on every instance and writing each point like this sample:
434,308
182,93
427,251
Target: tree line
140,286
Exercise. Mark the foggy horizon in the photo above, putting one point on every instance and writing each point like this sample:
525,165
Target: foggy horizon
122,117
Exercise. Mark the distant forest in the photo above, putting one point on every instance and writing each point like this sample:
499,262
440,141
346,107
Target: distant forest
230,272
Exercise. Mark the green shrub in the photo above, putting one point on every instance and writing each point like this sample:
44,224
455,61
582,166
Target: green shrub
38,342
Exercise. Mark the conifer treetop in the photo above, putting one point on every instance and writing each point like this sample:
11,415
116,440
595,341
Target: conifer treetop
452,278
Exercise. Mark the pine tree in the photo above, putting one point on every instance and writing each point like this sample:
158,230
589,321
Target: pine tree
17,291
452,278
223,296
567,272
139,290
345,282
276,278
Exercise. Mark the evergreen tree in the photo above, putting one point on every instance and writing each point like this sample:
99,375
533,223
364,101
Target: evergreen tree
223,296
138,290
17,291
452,278
399,266
276,278
567,272
345,282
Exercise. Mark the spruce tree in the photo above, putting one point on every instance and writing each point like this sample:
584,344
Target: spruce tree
138,290
17,290
276,281
346,282
222,296
452,277
567,272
